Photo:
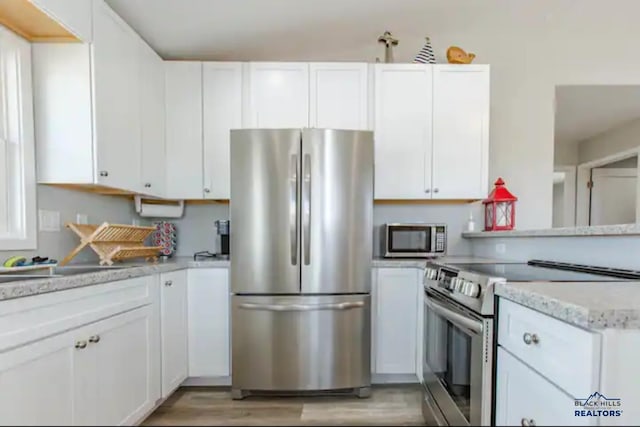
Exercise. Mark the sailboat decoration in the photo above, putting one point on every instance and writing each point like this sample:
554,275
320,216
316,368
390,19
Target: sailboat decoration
426,56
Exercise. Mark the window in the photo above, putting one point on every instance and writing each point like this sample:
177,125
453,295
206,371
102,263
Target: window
17,164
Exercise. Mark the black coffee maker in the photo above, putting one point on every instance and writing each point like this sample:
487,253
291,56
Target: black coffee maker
222,246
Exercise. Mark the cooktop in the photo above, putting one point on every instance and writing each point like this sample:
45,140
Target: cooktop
549,271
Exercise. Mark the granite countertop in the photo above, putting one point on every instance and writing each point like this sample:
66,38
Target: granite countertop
598,230
590,305
24,288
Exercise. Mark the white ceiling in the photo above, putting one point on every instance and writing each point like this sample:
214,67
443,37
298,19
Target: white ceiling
585,111
315,29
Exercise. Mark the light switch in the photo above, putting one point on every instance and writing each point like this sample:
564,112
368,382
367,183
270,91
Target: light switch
49,220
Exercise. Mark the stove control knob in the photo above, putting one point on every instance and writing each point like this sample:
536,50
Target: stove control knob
472,290
452,283
458,285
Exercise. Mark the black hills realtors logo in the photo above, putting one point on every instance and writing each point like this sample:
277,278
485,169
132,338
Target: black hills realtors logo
597,405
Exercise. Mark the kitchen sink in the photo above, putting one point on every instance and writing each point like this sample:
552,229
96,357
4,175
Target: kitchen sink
56,272
82,269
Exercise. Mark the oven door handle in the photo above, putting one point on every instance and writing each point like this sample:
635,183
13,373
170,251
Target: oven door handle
455,318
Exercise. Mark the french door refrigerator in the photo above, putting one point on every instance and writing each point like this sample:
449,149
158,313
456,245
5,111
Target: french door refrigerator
301,250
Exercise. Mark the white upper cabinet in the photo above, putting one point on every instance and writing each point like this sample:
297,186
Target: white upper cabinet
339,95
403,124
460,131
184,129
88,102
278,95
152,118
116,100
222,111
74,15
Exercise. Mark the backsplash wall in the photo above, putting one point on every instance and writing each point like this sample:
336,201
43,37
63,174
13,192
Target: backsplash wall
196,231
99,208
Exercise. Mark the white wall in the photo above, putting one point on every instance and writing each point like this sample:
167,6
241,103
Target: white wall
99,208
621,138
617,251
565,154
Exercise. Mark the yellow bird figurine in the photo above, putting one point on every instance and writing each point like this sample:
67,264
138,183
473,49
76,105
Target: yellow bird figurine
456,55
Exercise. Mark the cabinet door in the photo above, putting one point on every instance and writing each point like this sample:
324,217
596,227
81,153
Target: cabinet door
127,366
209,342
339,95
396,321
41,385
152,103
116,100
403,124
74,15
222,104
522,396
184,129
279,95
460,131
173,319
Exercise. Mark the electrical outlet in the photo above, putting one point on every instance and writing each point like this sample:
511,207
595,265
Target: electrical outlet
49,220
82,218
501,248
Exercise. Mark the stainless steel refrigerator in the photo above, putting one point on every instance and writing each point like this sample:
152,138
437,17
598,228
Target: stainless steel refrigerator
301,249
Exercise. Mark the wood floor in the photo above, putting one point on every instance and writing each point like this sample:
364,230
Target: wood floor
388,405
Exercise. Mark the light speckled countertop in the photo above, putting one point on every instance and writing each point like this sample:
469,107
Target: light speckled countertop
614,305
24,288
597,230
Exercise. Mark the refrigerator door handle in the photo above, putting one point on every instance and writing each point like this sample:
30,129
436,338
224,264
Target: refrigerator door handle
302,307
306,201
293,209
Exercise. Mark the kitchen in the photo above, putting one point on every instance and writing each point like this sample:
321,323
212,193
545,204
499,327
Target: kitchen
443,134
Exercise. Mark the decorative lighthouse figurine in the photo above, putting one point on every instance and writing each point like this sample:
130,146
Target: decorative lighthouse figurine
499,209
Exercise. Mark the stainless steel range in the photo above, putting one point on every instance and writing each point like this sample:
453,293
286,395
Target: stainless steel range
459,331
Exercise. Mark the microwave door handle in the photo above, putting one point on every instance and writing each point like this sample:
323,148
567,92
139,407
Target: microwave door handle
432,232
455,318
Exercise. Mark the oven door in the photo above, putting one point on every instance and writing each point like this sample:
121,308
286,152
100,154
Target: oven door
457,363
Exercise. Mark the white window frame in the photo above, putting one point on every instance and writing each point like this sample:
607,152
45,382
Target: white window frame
26,237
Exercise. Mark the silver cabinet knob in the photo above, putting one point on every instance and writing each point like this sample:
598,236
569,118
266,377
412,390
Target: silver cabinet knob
527,422
168,283
435,190
81,344
428,190
104,173
94,339
530,338
147,185
206,190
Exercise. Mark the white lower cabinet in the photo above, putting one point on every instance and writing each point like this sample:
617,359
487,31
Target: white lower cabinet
396,300
209,338
524,397
173,315
125,375
40,383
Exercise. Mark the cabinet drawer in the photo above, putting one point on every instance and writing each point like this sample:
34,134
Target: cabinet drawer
23,320
522,394
566,354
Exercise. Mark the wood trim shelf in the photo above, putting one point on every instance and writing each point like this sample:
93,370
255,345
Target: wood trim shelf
29,22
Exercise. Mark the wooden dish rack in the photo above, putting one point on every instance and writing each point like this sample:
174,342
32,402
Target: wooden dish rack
113,242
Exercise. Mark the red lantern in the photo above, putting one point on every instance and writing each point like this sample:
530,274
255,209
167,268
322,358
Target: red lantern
499,209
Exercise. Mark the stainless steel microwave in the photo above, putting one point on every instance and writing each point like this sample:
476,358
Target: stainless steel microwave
414,240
